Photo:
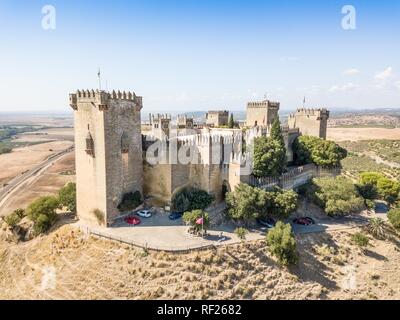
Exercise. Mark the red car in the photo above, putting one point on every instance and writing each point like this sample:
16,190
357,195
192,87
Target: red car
132,220
305,221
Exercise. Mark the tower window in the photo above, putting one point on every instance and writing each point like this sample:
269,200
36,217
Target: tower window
124,143
89,144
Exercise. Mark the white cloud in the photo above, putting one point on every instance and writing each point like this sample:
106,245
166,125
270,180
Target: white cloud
397,85
351,72
384,75
344,88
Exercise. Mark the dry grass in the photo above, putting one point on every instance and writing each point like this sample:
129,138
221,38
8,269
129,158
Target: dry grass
90,268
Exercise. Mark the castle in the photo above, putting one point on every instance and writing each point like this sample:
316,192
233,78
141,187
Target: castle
116,154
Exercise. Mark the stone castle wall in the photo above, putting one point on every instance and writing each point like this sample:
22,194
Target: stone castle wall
312,122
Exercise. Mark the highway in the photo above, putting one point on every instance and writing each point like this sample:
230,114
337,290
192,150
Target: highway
19,180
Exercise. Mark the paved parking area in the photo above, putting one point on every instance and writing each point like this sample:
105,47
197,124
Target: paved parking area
159,232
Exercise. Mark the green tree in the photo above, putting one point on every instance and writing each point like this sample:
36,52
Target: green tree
276,132
130,201
269,157
231,123
246,203
337,196
188,199
67,196
370,178
388,189
281,243
198,220
43,213
321,152
394,218
284,202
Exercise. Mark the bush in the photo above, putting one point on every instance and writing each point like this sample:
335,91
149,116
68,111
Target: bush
337,196
67,196
241,233
394,218
130,201
374,184
247,203
12,220
360,239
189,199
197,219
282,243
43,213
370,204
376,227
307,149
15,217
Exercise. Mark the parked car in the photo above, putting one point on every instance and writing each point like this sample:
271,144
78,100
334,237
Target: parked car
132,220
266,222
144,213
175,215
304,221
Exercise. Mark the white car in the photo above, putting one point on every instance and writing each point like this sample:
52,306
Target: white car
144,213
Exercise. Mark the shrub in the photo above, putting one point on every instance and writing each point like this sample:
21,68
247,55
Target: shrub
370,204
12,219
241,233
15,217
337,196
394,218
197,219
247,203
67,196
43,213
130,201
370,178
376,227
325,153
100,216
367,191
360,239
281,243
388,189
189,199
376,184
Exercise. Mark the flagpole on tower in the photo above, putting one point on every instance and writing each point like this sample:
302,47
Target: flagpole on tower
304,102
99,75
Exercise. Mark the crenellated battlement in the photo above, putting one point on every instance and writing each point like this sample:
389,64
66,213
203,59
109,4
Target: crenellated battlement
101,98
318,113
263,104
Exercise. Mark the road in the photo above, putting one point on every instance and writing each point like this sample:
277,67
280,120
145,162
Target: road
18,181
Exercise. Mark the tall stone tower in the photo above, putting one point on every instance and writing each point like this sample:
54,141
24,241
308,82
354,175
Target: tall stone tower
108,151
311,122
262,113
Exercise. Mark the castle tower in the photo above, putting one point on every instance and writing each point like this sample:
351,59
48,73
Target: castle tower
160,125
217,118
108,151
311,122
262,113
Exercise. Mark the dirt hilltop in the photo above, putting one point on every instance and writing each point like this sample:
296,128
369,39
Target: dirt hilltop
67,264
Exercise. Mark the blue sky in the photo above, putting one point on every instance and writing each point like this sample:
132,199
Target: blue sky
198,55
